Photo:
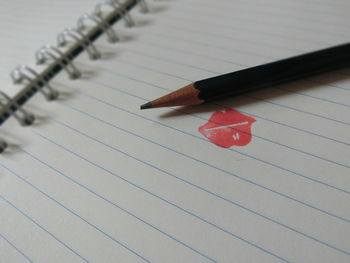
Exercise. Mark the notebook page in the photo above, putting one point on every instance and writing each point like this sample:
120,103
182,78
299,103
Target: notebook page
98,180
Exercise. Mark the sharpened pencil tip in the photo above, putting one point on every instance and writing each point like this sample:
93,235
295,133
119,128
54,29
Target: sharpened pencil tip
148,105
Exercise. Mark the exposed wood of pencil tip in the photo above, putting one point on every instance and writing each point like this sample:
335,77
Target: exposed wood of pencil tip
187,95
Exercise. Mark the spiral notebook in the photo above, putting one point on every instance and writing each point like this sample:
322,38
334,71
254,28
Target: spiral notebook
94,179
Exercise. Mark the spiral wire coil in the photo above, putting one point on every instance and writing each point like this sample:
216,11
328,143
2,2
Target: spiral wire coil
57,59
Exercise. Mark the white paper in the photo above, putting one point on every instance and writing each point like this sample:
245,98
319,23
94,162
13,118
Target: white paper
97,180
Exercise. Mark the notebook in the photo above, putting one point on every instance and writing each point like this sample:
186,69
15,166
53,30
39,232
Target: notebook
94,179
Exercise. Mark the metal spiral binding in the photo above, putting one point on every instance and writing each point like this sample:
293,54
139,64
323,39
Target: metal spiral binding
129,22
22,116
48,51
63,60
18,75
104,26
78,36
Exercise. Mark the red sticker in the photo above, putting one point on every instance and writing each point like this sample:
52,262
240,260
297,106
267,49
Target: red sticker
228,128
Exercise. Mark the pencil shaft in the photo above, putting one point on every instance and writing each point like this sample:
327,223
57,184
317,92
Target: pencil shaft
274,73
256,77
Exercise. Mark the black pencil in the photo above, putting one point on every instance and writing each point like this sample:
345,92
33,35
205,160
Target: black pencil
256,77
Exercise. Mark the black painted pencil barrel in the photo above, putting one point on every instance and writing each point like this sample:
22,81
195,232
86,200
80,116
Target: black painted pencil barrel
258,77
274,73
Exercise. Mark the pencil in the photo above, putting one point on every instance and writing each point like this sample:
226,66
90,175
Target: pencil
257,77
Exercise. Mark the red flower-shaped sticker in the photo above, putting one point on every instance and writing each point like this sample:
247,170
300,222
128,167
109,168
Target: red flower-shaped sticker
228,128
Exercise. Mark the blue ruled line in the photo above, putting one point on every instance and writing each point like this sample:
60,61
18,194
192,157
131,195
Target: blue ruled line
242,40
239,152
267,6
239,64
314,97
14,246
237,51
75,214
228,37
254,135
225,171
260,99
199,32
220,48
298,110
109,201
153,44
329,84
249,113
40,226
246,29
167,173
226,61
300,18
270,24
249,96
182,209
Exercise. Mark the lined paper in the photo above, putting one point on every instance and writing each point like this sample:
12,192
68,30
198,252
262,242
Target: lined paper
98,180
